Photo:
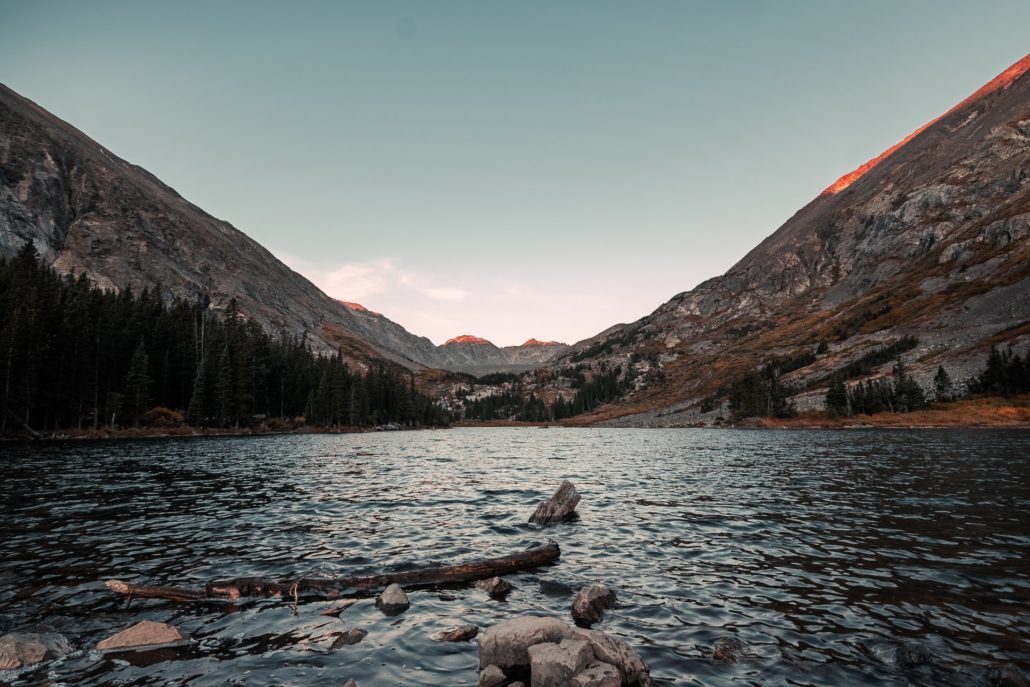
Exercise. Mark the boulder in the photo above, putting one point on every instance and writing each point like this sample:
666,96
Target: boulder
727,650
393,600
19,649
507,643
491,676
495,586
598,675
143,634
461,633
559,507
614,651
554,665
350,637
590,603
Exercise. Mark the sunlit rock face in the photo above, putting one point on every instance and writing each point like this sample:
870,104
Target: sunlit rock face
930,239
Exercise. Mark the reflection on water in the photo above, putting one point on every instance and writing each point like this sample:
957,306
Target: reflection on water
838,558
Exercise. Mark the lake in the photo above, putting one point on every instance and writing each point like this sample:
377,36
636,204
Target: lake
860,557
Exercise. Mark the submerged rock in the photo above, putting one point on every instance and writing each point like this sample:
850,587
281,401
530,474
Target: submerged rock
495,586
590,603
727,650
462,633
393,600
145,633
350,637
554,665
491,676
559,507
337,610
19,649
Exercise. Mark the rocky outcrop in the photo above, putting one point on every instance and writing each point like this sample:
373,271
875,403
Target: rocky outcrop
556,653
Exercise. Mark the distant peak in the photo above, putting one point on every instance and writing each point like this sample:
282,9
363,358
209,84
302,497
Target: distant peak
536,342
996,84
466,339
360,308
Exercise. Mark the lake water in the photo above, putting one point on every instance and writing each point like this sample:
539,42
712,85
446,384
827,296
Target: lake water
823,551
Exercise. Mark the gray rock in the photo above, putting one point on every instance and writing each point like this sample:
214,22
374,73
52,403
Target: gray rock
491,676
612,650
495,586
350,637
143,634
517,684
590,603
554,665
727,650
393,600
599,675
462,633
507,643
559,507
19,649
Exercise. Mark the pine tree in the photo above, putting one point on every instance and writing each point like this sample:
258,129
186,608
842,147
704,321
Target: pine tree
137,383
837,398
942,386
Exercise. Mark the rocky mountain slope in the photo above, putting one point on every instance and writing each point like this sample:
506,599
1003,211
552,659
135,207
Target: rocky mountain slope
930,239
88,211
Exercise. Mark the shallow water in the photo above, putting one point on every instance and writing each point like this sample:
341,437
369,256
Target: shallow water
820,550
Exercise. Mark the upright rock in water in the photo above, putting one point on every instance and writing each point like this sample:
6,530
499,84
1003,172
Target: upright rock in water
145,633
495,586
20,649
590,603
558,507
393,600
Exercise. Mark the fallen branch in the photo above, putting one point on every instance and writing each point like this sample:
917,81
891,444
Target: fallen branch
421,577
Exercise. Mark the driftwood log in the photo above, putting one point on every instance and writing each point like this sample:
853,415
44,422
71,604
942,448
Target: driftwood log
421,577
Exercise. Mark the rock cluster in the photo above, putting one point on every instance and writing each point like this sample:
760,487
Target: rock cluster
556,654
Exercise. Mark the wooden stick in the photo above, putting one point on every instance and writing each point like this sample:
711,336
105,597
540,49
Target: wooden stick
422,577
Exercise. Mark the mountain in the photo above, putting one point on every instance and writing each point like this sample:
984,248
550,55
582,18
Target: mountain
89,211
468,353
930,239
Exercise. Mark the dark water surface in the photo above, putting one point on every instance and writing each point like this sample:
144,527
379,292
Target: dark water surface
820,550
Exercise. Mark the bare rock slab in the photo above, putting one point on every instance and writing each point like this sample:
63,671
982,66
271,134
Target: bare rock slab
496,587
598,675
143,634
19,649
393,600
506,644
590,604
554,665
492,676
559,507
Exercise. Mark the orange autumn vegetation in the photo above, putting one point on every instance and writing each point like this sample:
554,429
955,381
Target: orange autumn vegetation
990,411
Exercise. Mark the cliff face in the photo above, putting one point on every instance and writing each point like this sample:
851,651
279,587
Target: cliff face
930,239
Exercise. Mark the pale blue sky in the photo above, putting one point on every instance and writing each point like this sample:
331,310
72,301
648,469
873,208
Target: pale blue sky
510,169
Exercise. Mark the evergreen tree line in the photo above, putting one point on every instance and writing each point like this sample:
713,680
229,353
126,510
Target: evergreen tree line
511,404
1006,373
605,386
761,394
900,394
514,404
74,355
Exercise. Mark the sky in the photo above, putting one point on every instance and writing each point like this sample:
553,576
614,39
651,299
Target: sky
505,169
